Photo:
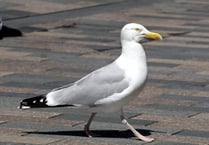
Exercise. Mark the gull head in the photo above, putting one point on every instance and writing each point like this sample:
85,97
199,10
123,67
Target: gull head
137,32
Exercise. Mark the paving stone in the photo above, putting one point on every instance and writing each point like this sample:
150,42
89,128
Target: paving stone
12,131
10,102
101,141
176,108
194,133
12,143
177,84
183,97
166,17
202,116
171,143
173,53
102,117
36,126
79,141
72,13
27,140
27,113
162,64
8,94
31,78
35,81
11,14
173,125
148,109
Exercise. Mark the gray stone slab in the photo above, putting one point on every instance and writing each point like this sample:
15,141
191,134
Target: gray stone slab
80,12
13,143
176,84
10,94
77,114
46,86
170,143
171,28
184,97
196,42
5,5
196,24
172,52
45,53
30,29
195,133
32,78
94,27
156,64
36,126
203,104
121,139
102,48
165,17
171,108
89,39
10,102
87,32
150,110
195,36
163,130
41,81
181,74
107,132
85,70
14,14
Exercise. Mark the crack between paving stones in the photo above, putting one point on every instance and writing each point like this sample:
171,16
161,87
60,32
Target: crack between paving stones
63,11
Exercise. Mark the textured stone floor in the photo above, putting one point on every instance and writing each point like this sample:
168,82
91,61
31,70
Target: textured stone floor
62,40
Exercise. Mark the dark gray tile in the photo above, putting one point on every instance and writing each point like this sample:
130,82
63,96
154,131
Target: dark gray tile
171,108
195,133
176,84
89,39
48,85
153,110
14,14
35,126
85,70
30,29
156,64
75,13
183,97
77,114
13,143
20,95
173,52
171,143
102,48
165,17
32,78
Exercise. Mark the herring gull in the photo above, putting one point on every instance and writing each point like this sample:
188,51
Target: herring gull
109,88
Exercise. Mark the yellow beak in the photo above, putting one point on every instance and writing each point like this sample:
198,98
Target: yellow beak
154,36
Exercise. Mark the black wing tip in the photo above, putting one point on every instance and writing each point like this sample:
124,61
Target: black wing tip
35,102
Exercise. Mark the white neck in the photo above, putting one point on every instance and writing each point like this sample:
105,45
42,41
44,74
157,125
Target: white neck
133,50
133,57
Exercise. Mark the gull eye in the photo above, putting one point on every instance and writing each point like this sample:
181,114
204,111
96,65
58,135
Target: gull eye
137,29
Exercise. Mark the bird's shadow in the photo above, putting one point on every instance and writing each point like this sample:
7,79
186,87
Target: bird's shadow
98,133
9,32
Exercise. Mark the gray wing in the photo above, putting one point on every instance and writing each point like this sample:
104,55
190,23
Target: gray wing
99,84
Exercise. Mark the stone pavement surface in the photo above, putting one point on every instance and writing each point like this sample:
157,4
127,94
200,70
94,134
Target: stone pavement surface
62,40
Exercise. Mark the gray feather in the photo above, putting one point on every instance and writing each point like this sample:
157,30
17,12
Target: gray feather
99,84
